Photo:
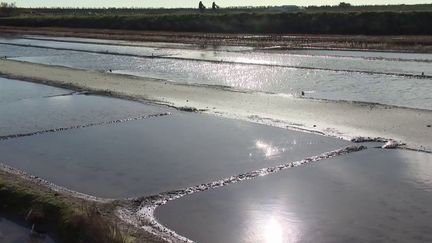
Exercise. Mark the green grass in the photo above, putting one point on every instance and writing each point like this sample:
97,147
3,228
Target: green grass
70,220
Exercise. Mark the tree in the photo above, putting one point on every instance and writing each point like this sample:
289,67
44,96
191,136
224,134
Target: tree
6,9
344,5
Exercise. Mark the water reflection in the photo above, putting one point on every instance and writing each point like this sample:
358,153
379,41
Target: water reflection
325,84
12,91
27,107
271,222
273,231
419,170
158,154
369,196
14,233
253,60
268,149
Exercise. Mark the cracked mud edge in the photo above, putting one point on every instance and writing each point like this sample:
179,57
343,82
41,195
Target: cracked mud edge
141,212
39,181
6,137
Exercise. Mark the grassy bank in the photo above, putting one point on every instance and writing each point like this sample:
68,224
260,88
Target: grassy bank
66,218
353,23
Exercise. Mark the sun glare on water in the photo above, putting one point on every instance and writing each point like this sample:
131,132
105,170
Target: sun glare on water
267,149
273,231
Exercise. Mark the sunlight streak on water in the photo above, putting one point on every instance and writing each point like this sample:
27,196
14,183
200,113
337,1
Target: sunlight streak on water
419,171
273,231
267,149
370,196
271,227
331,84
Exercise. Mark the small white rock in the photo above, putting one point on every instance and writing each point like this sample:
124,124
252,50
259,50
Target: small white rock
391,144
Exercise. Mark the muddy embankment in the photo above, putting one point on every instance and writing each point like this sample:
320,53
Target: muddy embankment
64,215
412,43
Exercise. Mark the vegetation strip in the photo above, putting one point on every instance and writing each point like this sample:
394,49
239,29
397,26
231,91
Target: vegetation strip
66,218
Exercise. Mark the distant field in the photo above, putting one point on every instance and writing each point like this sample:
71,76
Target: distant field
367,23
341,19
232,10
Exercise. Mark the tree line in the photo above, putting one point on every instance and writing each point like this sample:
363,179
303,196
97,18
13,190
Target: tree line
341,7
7,9
367,23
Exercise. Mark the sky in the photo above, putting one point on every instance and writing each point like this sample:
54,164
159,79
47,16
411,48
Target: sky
194,3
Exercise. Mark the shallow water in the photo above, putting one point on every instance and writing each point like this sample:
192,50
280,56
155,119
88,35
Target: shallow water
368,55
324,84
28,107
150,156
12,90
368,196
162,45
331,62
381,195
19,51
393,90
90,47
11,232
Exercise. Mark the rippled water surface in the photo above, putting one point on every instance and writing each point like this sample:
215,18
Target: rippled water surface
369,196
379,77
